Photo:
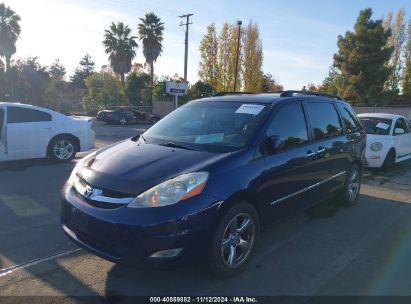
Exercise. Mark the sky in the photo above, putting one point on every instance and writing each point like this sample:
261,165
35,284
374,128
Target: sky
299,37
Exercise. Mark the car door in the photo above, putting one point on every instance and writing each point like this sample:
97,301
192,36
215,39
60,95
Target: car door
402,140
3,142
290,171
334,149
28,132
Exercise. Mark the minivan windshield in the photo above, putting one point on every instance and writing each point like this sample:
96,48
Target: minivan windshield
210,126
376,125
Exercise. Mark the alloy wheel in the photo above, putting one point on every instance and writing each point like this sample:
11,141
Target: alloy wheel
63,149
238,240
354,185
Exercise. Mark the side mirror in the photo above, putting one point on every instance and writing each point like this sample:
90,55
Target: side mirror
276,142
399,131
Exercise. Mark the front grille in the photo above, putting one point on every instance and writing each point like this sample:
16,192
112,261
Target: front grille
107,199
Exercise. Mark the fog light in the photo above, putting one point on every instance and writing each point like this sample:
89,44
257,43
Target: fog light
170,253
375,157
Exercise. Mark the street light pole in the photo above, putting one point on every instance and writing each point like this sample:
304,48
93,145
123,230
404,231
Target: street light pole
238,50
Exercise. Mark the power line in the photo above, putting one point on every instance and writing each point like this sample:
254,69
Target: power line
187,16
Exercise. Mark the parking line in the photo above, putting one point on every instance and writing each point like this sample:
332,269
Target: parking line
9,270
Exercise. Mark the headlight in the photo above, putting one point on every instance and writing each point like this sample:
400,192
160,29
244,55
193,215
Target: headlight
79,165
376,146
172,191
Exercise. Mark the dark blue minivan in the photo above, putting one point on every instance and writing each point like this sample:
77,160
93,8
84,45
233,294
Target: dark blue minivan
200,183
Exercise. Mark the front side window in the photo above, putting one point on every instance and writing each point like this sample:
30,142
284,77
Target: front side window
21,115
324,119
289,124
401,124
211,126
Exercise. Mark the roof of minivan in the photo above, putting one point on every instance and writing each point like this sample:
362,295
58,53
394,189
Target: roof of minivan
262,98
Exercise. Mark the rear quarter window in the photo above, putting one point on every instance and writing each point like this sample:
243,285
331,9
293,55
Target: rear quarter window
22,115
349,119
325,121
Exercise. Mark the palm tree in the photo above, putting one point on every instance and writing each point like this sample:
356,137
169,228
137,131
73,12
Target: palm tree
150,32
121,48
9,32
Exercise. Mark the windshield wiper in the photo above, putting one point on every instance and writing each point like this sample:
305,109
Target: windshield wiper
174,145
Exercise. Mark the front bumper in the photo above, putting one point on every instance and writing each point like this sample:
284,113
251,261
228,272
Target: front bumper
130,235
374,159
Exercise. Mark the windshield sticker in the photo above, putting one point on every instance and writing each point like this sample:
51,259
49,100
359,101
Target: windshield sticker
252,109
382,125
209,138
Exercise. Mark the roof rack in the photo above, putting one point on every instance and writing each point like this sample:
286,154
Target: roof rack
288,93
291,93
232,93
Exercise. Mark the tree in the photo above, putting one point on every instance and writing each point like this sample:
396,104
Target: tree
103,90
57,71
396,42
232,57
269,84
406,76
121,48
30,81
150,32
331,83
208,69
199,90
362,59
85,69
223,54
137,87
252,70
9,32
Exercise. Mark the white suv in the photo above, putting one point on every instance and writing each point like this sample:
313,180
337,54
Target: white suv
32,132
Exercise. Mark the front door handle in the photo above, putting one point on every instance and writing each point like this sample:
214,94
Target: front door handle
310,154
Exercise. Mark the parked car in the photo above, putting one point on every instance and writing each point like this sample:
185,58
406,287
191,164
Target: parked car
126,115
388,141
116,115
200,184
32,132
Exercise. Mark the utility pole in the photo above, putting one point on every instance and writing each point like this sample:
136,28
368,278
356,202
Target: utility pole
238,50
187,16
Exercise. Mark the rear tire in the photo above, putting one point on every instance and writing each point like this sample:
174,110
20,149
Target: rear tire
234,241
389,162
352,186
62,149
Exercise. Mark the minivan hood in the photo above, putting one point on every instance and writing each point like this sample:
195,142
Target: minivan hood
132,167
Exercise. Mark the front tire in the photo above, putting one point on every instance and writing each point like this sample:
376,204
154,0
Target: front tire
389,162
62,149
352,186
234,241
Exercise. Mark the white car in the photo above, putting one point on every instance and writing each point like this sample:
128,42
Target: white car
32,132
388,139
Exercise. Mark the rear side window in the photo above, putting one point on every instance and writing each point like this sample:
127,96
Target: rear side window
290,125
21,115
1,123
324,118
349,119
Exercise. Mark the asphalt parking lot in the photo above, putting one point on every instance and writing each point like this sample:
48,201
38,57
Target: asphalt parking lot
329,250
